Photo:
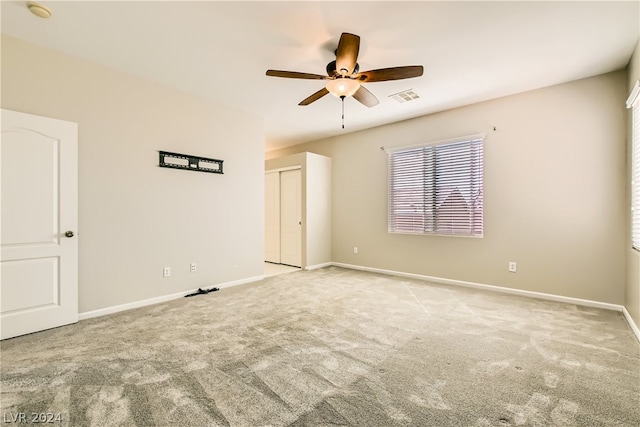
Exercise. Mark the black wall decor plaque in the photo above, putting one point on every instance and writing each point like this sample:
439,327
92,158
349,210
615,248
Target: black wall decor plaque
188,162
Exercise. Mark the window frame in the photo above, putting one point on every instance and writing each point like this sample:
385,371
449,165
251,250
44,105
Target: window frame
633,103
428,218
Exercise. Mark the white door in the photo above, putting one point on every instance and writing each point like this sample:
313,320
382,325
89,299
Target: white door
272,217
291,217
39,249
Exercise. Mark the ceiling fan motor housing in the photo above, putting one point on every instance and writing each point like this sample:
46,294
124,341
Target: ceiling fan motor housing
332,71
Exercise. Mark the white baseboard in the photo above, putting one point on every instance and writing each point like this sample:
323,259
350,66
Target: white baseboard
316,266
157,300
632,324
520,292
241,281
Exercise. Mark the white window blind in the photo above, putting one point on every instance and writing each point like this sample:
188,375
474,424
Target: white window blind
437,188
634,103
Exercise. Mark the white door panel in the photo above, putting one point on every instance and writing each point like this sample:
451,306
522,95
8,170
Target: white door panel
291,217
25,200
34,277
272,217
39,285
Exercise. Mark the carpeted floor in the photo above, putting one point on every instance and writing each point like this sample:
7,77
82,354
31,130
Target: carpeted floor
331,347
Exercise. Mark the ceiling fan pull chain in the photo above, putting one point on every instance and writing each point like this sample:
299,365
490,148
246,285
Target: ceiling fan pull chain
342,97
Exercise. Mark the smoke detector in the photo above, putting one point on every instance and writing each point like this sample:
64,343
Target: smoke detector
38,10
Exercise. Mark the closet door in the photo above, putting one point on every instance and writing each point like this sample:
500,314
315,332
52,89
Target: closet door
291,217
272,217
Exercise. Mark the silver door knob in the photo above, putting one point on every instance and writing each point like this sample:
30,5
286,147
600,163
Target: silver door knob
69,234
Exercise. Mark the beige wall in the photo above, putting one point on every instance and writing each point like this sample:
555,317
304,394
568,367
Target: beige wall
318,188
632,289
134,217
554,193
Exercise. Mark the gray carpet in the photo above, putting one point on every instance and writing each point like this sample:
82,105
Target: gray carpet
332,347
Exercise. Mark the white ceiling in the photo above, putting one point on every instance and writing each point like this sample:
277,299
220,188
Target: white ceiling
219,51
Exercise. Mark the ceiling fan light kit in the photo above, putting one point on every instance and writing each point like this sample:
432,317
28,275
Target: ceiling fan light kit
344,78
342,86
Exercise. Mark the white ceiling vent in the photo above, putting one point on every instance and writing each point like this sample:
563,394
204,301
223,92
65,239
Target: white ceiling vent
405,95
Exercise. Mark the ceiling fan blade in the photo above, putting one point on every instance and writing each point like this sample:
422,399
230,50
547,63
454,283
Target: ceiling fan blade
319,94
365,97
347,54
393,73
295,75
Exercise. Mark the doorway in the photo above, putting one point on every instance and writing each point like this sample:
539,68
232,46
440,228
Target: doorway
283,217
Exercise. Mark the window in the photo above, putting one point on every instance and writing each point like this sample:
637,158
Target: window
634,103
437,188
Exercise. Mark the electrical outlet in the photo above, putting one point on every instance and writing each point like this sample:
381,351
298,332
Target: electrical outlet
192,267
355,249
166,272
513,266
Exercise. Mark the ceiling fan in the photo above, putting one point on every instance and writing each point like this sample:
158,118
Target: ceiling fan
344,78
